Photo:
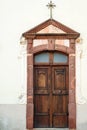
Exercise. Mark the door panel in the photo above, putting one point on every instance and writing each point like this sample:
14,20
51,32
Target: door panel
60,111
60,121
60,78
60,96
41,111
50,96
41,97
41,121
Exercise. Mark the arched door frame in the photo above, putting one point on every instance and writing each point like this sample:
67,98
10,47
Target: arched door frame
51,46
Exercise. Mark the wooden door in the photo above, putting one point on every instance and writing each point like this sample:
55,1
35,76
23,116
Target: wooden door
60,97
41,97
50,96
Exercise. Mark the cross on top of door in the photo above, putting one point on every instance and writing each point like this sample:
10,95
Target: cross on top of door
51,6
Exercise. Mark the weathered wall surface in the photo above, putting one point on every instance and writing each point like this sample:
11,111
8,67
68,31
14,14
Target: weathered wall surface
81,117
13,117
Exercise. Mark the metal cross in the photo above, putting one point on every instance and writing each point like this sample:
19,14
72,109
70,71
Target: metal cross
51,6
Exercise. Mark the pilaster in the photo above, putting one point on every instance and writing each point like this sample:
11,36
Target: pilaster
30,106
72,87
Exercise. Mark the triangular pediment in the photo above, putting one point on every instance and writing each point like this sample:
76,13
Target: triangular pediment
50,27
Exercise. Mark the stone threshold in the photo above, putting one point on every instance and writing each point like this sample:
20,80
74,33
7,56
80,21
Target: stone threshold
50,129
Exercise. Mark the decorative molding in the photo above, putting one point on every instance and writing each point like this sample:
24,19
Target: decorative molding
80,99
23,41
79,40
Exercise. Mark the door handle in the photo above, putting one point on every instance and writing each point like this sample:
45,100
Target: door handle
60,91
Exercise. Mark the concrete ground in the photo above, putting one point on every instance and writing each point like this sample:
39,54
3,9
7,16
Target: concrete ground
13,117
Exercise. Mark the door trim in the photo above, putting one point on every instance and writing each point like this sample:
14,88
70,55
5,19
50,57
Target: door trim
72,81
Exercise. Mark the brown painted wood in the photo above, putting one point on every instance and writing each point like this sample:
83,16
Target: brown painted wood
41,97
50,97
60,96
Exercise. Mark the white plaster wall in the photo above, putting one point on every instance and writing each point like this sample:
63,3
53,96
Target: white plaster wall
16,17
13,117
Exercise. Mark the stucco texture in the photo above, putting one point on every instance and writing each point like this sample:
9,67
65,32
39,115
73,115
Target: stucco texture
13,117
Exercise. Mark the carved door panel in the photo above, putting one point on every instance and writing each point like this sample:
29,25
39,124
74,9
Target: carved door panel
50,97
41,97
60,96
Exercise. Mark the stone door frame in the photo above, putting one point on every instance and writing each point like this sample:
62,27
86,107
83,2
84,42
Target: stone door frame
62,33
72,77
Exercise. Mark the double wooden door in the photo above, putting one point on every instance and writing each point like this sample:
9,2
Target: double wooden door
50,96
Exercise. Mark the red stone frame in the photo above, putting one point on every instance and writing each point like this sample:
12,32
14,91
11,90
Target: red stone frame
72,86
71,35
